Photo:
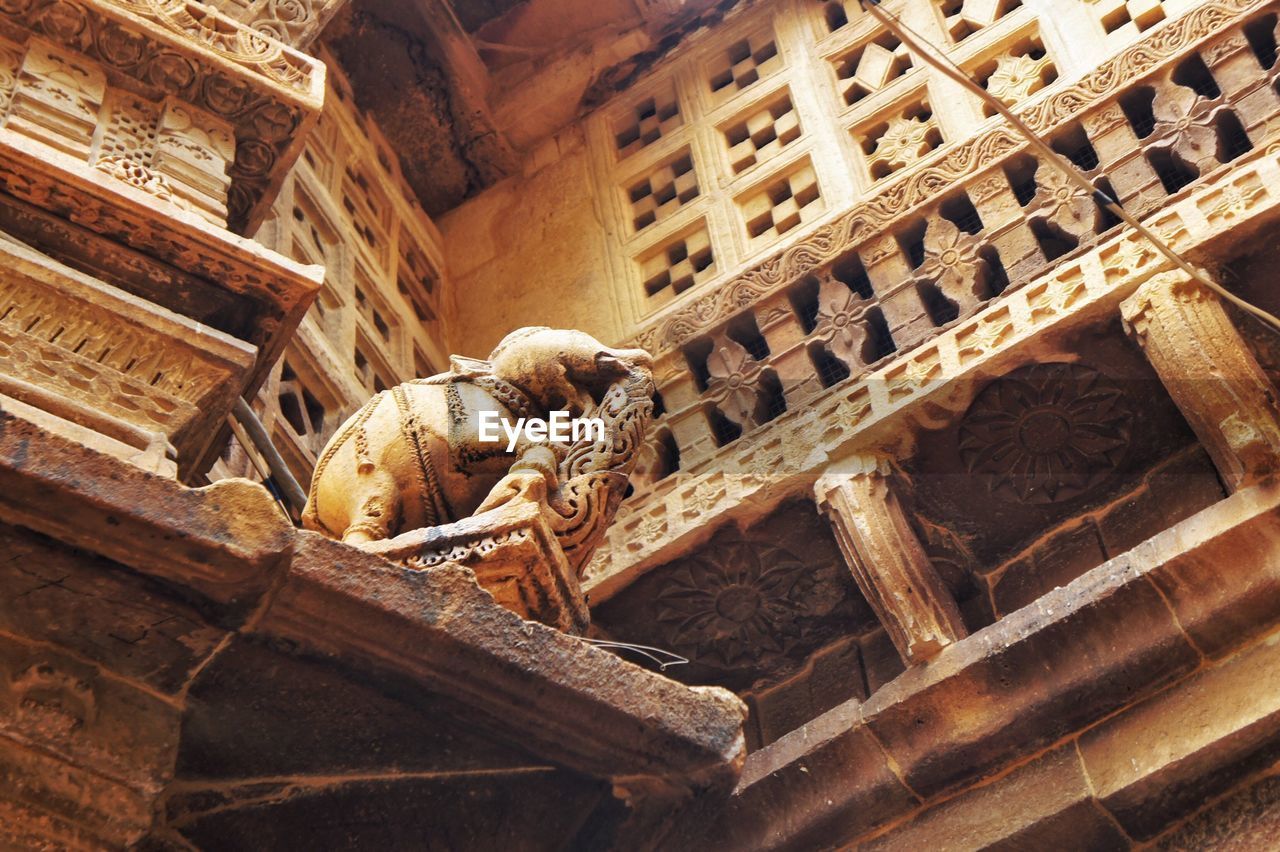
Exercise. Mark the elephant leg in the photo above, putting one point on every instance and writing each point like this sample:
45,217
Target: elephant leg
378,508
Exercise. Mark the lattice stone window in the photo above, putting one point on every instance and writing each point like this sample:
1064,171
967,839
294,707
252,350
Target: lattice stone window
367,209
905,135
375,315
370,370
743,63
836,14
678,264
782,204
1021,70
963,18
667,188
300,408
761,132
651,118
1142,14
868,67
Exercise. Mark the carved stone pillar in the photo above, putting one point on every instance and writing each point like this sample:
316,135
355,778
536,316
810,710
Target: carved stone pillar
1210,374
888,562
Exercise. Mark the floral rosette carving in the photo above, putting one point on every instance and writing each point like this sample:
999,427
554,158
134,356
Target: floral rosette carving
952,263
1190,129
1046,433
742,602
735,375
840,321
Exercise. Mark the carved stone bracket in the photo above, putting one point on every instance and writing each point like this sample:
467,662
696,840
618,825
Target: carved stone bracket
888,562
1210,373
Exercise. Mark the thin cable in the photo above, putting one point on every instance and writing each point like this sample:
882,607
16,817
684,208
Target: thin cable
943,63
654,654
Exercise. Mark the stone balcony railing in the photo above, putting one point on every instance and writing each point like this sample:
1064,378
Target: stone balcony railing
828,348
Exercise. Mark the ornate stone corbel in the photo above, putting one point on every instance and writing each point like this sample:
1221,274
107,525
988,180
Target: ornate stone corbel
1210,373
888,562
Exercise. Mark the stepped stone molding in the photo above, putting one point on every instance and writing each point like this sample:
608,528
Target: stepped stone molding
92,354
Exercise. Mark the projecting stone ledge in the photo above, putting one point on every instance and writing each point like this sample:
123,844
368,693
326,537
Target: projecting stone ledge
1135,678
181,666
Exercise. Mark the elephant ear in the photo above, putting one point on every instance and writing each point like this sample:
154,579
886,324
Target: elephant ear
469,367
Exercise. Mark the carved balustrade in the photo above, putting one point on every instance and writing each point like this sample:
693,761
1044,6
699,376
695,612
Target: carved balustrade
886,320
938,243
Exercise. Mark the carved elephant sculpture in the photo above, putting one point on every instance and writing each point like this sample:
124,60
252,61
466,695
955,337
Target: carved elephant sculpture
412,456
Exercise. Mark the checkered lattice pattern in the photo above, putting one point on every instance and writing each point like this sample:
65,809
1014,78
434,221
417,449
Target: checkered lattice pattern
678,265
1134,15
869,67
765,131
743,63
836,14
963,18
663,192
782,204
651,119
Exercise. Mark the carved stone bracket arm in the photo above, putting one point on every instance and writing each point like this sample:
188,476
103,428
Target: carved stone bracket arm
1208,370
888,562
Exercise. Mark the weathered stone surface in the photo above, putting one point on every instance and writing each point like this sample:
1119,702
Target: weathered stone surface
440,629
465,812
1164,757
412,685
1105,638
1242,822
261,712
1044,804
1227,590
828,779
104,612
46,800
226,542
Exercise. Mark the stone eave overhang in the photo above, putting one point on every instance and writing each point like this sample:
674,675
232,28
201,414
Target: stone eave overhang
1185,600
668,749
110,230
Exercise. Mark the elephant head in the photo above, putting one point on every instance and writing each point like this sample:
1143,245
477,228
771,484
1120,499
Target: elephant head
562,369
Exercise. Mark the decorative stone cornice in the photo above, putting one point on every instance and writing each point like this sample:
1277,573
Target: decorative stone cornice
268,92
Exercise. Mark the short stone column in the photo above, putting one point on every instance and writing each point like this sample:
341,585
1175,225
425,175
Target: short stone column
888,562
1210,373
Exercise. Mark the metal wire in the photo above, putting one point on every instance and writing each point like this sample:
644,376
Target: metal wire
657,655
926,51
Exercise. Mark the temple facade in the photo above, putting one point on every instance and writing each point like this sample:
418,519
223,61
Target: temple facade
955,523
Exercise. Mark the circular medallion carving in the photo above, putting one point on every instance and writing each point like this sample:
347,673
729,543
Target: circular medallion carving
741,602
1046,433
